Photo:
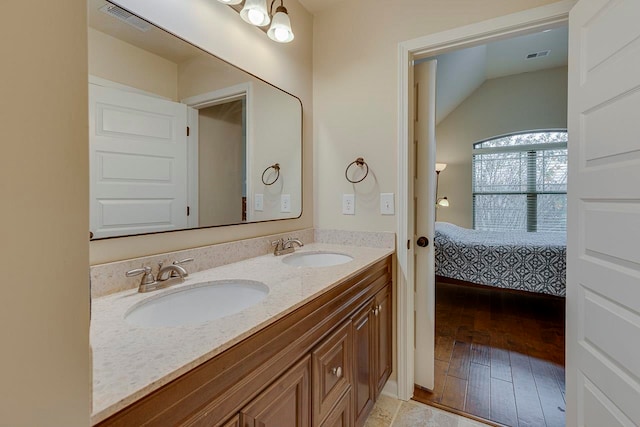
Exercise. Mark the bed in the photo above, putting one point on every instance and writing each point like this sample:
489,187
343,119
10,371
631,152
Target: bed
533,262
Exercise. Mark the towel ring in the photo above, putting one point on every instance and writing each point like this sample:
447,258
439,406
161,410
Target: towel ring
360,163
275,167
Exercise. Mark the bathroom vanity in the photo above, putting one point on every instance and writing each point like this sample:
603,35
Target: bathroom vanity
316,352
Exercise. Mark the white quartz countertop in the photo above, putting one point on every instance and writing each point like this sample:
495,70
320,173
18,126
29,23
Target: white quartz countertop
130,362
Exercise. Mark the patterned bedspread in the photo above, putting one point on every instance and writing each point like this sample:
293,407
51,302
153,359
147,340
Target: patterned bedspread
534,262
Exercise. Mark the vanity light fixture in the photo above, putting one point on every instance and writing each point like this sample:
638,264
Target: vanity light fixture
255,12
280,30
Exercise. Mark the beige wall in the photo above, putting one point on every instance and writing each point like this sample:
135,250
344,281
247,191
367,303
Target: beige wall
44,297
121,62
355,94
527,101
273,135
220,164
273,143
218,29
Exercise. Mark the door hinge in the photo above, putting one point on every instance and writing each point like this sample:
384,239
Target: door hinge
188,210
188,130
408,244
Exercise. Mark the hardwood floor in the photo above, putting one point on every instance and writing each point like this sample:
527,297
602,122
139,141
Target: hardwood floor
499,356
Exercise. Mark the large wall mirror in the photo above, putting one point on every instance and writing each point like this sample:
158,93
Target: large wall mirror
180,139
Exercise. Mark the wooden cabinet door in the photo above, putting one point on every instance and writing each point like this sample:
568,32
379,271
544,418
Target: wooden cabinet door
383,352
331,361
340,416
286,403
363,362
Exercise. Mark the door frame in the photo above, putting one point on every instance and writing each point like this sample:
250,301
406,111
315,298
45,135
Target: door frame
209,99
516,24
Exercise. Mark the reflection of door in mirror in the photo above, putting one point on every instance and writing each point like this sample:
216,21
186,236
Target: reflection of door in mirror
221,160
138,162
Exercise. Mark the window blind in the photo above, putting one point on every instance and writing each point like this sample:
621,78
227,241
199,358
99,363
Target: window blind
520,182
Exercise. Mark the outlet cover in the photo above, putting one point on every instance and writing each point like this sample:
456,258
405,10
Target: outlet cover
258,202
285,203
348,204
387,205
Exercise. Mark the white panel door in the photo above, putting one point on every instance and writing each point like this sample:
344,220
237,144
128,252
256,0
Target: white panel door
603,258
138,163
425,205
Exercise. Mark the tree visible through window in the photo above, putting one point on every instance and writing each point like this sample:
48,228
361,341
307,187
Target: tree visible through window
520,182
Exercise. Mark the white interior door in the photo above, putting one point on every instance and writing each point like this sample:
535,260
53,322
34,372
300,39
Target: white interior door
425,202
138,163
603,259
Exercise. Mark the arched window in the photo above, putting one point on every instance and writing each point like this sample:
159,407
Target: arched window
520,182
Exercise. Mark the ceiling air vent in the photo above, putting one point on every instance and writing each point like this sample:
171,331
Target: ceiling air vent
124,16
540,54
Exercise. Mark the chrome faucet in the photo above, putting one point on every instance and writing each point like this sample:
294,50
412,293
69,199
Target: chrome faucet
168,275
289,243
282,246
171,271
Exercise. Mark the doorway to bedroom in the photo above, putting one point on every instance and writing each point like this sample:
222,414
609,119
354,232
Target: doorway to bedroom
499,310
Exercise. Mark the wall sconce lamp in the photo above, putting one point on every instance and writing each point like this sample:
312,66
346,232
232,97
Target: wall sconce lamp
443,201
254,12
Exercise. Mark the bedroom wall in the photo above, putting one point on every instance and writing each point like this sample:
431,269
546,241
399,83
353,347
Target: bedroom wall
528,101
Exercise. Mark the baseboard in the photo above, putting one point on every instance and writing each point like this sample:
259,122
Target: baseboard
390,389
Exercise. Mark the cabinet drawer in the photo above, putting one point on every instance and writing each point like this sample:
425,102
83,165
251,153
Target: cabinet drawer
331,372
340,416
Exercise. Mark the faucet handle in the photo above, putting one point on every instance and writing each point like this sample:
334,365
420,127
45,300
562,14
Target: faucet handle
137,271
278,243
146,270
184,261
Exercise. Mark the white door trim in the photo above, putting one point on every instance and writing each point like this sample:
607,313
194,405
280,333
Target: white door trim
222,96
219,96
532,20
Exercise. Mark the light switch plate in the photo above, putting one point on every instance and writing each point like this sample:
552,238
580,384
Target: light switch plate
387,204
348,204
285,203
258,202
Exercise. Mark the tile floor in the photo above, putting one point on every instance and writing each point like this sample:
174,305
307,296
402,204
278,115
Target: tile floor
390,412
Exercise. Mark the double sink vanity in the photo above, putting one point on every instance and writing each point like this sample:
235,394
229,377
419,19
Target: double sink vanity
299,339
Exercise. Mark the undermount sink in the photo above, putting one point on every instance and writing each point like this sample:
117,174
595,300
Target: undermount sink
198,304
316,259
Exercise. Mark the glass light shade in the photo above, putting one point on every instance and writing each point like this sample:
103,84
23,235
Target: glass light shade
230,2
440,167
280,30
255,13
444,202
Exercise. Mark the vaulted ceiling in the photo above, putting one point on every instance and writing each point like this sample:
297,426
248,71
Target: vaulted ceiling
463,71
